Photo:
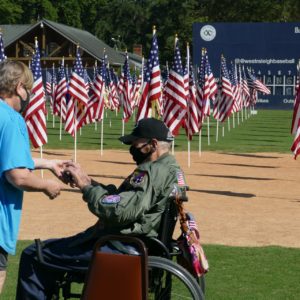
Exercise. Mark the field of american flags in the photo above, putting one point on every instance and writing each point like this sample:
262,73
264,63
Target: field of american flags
267,131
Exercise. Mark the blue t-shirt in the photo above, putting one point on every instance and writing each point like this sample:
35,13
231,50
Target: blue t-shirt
14,153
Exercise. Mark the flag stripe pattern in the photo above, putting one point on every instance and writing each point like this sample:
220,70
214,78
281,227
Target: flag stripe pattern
77,85
151,87
224,103
191,122
125,89
61,92
35,113
176,105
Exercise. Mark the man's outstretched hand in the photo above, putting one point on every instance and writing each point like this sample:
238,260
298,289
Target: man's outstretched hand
75,176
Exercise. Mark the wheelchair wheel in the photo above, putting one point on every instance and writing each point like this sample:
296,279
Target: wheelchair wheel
170,281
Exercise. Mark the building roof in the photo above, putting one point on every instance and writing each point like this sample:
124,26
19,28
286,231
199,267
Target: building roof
88,42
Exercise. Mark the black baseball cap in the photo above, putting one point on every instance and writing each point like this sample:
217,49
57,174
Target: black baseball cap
148,128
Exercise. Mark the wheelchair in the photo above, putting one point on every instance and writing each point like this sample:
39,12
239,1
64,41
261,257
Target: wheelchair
166,279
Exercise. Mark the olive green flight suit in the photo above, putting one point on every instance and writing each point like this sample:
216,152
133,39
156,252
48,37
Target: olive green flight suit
136,207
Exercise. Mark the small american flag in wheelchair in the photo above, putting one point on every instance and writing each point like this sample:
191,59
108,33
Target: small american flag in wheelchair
192,225
180,178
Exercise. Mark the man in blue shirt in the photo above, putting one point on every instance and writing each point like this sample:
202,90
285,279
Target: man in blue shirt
16,162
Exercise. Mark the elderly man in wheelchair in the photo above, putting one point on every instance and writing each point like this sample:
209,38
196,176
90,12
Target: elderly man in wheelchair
135,208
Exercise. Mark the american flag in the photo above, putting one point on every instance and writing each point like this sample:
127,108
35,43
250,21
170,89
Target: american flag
53,88
206,88
191,121
256,84
246,97
296,112
224,104
136,84
79,95
151,87
48,84
98,90
235,88
113,96
213,88
79,98
87,80
296,144
176,105
180,178
125,89
2,55
61,92
35,113
77,85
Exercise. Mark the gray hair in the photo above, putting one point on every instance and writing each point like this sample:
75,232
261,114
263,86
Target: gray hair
164,145
11,73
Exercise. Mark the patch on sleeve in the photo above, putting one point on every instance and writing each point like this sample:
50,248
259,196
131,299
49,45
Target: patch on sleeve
180,178
138,177
111,199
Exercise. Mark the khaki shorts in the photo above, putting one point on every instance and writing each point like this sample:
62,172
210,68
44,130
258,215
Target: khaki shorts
3,259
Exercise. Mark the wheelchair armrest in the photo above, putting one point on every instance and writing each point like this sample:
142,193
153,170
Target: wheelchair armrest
41,260
159,244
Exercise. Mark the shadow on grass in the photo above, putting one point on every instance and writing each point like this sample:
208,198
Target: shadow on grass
225,193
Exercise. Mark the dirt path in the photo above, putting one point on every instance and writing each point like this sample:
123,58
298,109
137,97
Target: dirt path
238,199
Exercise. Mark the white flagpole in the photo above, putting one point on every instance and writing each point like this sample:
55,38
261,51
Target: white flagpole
75,135
229,123
123,127
80,131
189,153
217,131
60,123
242,110
223,129
41,153
238,118
188,103
95,125
208,135
233,120
199,146
173,146
101,142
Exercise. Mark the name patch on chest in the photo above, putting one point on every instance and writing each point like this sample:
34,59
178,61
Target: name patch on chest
111,199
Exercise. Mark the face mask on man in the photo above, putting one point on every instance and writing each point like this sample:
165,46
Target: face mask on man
24,102
139,156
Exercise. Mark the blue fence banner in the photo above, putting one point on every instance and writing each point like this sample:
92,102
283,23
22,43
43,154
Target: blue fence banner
272,50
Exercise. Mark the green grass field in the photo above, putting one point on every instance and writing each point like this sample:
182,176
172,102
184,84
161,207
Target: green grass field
268,131
235,273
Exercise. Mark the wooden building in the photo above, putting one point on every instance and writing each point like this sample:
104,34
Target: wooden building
56,41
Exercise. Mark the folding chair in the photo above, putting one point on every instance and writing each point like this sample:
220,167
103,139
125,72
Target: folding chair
117,276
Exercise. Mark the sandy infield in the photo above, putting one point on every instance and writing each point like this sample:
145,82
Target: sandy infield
237,199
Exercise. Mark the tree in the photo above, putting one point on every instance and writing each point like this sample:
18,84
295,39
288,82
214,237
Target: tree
10,12
37,9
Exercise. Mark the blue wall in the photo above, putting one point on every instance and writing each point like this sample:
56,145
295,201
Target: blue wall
271,49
